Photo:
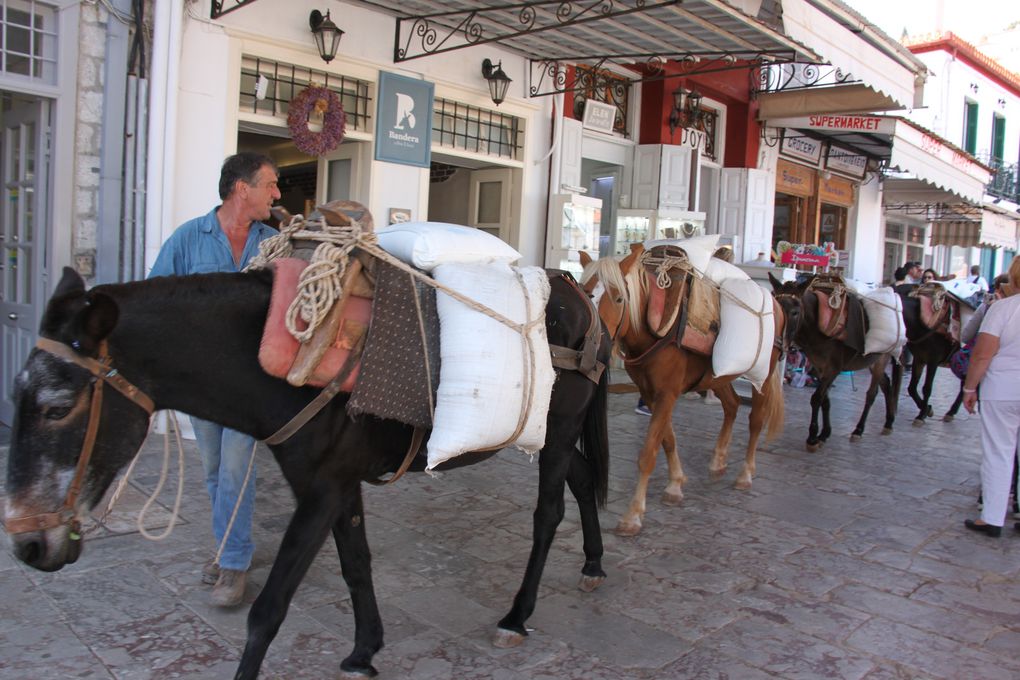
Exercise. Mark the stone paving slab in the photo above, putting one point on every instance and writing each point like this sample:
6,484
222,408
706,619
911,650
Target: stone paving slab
851,562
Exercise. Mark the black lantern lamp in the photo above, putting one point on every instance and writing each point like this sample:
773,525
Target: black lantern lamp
499,82
326,34
686,109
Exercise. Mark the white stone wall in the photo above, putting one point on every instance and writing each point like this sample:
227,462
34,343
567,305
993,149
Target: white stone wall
88,136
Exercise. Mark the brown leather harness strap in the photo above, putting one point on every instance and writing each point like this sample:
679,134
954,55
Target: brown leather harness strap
103,373
417,439
323,398
585,360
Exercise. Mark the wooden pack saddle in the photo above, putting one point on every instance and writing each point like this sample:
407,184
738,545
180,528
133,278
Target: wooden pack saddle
319,359
940,312
831,291
680,304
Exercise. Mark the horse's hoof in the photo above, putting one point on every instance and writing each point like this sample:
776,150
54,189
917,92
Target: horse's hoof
506,639
588,584
918,422
813,447
855,438
948,418
716,475
931,412
627,529
357,672
672,498
886,430
742,484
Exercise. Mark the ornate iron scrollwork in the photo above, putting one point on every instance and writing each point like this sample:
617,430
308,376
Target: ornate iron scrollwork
595,83
221,7
430,34
770,77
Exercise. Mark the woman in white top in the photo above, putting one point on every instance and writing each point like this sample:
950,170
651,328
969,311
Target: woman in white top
995,366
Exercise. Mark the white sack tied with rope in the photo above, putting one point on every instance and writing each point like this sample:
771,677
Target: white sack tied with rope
429,244
747,328
886,330
494,382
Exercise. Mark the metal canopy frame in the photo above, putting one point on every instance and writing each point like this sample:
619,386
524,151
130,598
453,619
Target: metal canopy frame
939,212
221,7
636,40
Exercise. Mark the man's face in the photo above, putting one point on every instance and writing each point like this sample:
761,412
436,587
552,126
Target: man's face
262,193
915,272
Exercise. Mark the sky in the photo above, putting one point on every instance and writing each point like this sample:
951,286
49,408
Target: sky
969,19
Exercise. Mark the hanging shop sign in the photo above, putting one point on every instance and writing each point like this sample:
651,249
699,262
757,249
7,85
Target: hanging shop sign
807,254
838,159
796,145
599,116
837,191
403,122
795,179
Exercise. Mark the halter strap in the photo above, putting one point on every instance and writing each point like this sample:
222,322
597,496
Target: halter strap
104,373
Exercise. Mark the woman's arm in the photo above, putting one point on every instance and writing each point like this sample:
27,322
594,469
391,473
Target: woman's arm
987,347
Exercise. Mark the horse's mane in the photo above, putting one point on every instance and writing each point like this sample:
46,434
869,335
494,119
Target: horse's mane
609,274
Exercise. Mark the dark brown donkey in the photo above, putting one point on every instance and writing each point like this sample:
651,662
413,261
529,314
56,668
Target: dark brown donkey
830,357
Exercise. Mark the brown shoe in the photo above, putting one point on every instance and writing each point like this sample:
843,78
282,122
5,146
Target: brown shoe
210,572
229,589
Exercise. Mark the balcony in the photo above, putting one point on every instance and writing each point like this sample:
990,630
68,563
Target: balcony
1005,183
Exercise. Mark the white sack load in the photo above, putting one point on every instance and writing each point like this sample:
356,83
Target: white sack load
721,270
483,378
746,331
429,244
699,249
859,287
886,331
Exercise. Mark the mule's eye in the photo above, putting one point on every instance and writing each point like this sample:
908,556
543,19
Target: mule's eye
56,412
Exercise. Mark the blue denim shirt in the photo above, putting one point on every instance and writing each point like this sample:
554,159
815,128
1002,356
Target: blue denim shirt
199,246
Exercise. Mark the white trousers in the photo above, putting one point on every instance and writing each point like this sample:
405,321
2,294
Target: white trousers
1000,432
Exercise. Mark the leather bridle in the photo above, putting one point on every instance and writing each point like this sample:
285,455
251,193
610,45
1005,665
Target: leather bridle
104,373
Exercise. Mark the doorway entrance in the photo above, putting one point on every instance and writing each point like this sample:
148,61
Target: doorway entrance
603,182
479,196
24,233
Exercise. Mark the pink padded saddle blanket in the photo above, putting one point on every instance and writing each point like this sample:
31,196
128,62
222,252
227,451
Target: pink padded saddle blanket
279,348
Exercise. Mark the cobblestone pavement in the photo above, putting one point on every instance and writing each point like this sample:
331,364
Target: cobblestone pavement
847,563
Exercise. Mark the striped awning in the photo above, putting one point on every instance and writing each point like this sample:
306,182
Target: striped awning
994,230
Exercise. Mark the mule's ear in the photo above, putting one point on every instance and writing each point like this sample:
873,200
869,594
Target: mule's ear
776,285
98,317
70,282
585,258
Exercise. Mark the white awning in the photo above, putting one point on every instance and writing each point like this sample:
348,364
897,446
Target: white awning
905,146
856,46
994,230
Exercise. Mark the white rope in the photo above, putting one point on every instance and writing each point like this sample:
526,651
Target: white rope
237,505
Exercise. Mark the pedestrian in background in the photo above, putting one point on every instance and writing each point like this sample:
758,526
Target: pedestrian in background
995,368
224,240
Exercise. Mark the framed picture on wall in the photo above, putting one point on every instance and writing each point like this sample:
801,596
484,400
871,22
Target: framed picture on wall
400,215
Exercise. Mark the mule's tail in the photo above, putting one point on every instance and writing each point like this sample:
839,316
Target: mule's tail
595,439
775,409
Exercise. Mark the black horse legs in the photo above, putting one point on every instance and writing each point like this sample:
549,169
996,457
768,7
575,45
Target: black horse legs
955,408
553,467
820,401
924,409
582,486
308,528
870,400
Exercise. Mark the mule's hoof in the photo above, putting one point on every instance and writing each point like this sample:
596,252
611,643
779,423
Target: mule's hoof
626,529
886,430
742,484
588,584
948,418
506,639
918,422
672,498
353,672
813,447
855,438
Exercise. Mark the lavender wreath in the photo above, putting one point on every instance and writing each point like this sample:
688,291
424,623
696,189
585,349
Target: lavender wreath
314,99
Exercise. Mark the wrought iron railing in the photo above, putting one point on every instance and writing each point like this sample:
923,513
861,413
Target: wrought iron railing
1005,182
797,76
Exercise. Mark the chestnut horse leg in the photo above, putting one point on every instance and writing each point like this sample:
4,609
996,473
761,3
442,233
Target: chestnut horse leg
674,493
730,402
661,423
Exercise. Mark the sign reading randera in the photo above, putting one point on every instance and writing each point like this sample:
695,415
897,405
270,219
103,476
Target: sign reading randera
403,122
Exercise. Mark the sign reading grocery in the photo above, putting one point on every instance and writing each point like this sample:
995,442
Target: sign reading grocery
800,146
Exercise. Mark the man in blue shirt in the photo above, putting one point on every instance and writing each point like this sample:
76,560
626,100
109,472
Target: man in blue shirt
224,240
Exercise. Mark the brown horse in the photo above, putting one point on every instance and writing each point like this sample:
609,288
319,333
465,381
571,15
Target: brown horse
662,372
830,357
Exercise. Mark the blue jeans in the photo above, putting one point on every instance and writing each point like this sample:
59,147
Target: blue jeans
225,454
